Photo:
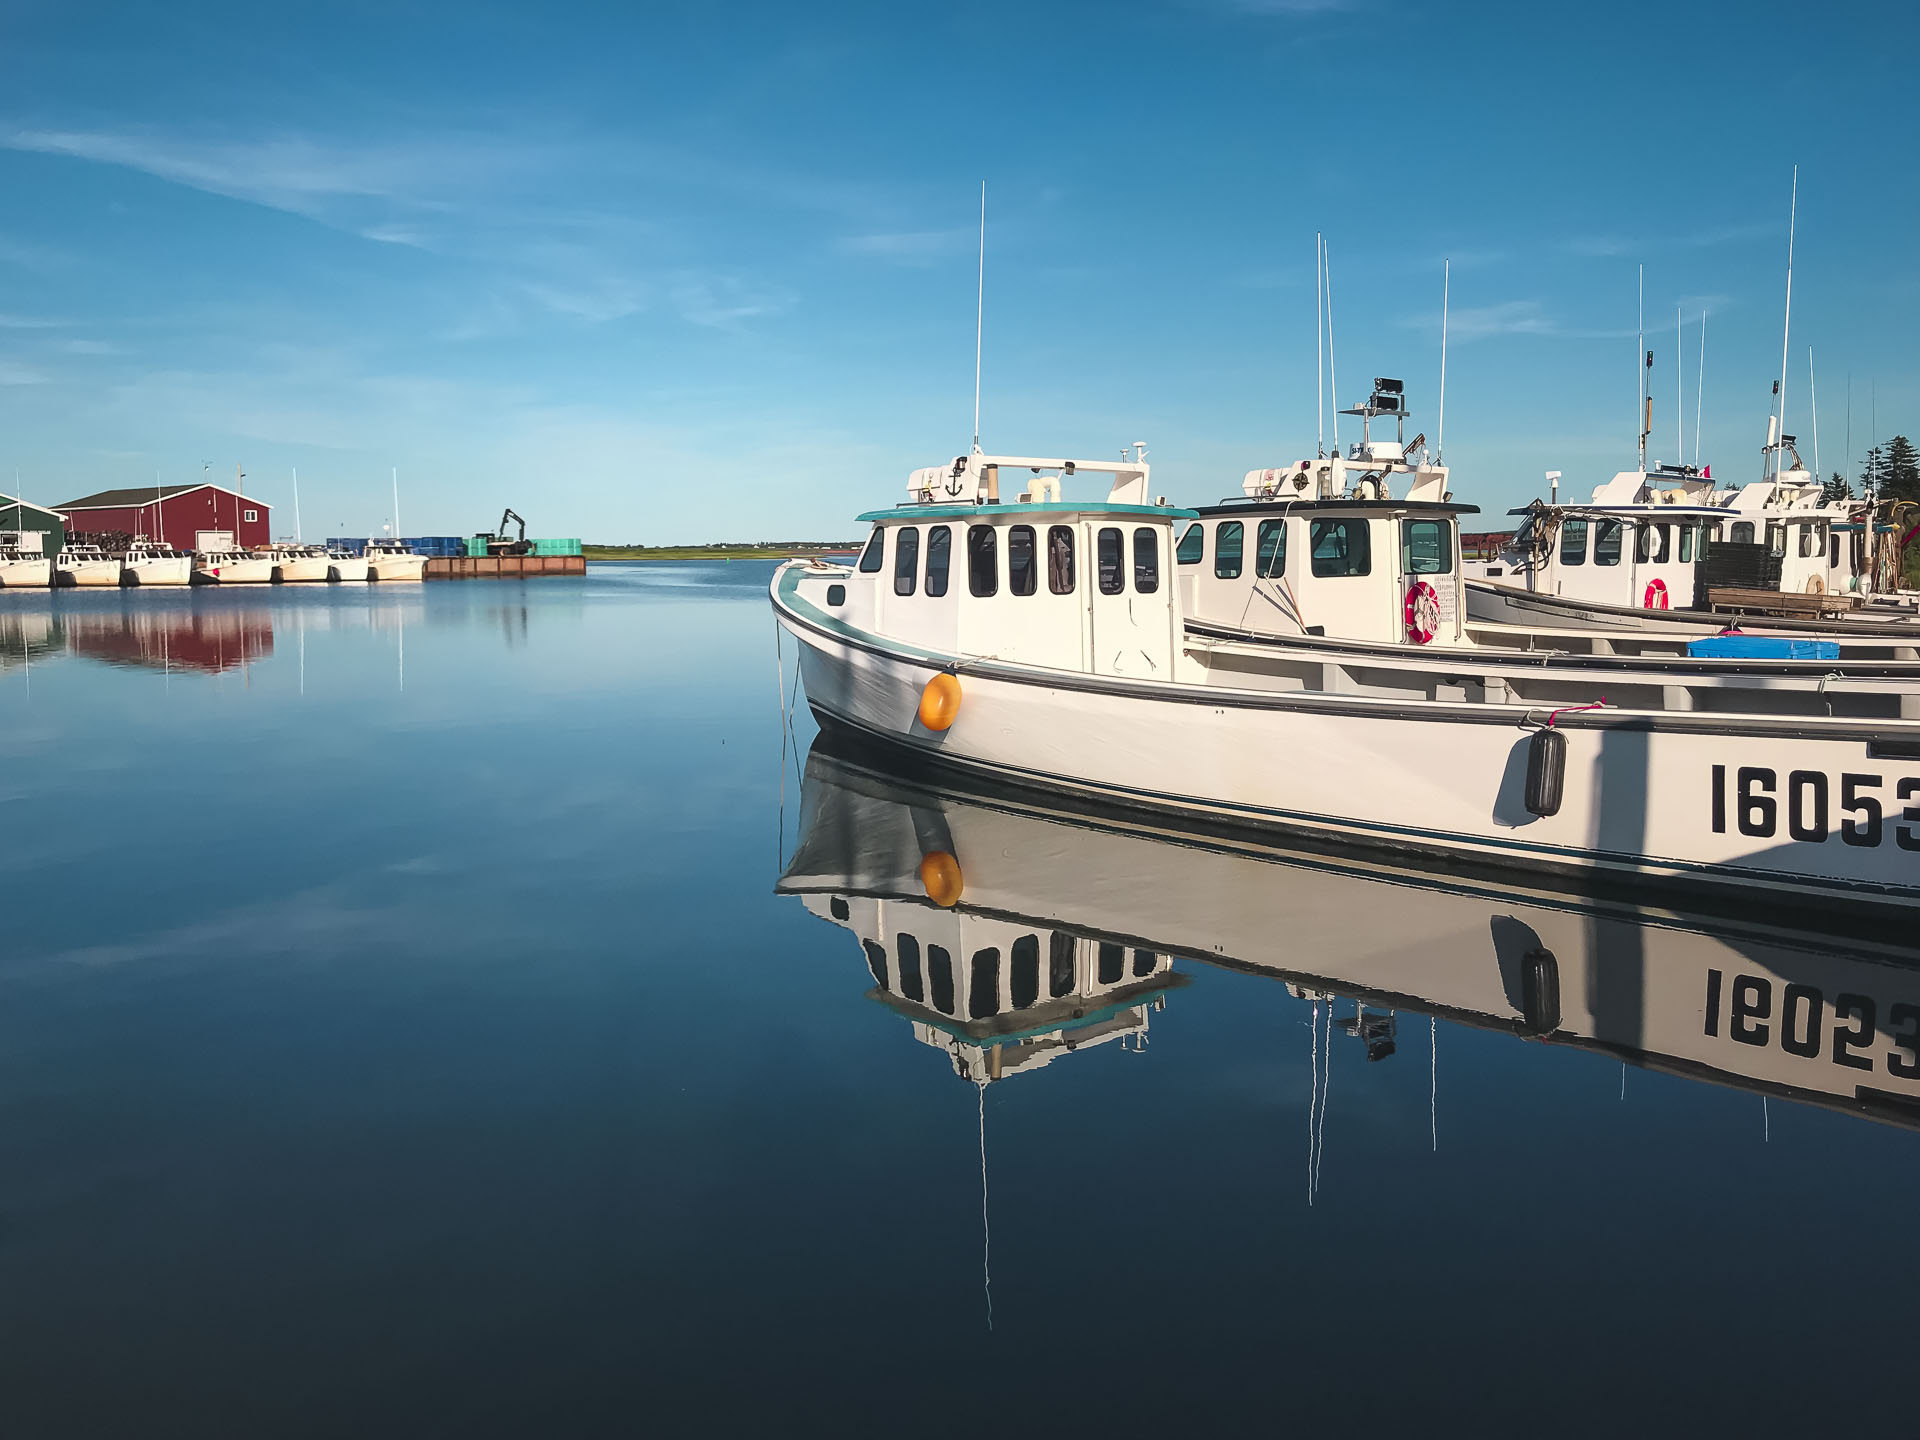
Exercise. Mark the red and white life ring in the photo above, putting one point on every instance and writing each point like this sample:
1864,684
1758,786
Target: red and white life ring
1423,612
1656,596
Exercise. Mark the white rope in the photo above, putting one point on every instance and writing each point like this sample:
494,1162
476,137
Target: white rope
986,1231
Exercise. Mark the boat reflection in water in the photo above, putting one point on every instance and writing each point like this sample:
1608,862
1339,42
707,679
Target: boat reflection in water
1010,933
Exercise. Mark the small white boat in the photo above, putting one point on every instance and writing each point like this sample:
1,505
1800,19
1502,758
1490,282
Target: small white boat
231,567
86,565
23,562
394,560
293,564
344,565
154,562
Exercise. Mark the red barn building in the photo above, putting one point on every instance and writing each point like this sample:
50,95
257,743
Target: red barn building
173,513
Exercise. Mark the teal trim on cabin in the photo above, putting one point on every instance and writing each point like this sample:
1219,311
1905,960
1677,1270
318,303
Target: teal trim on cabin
911,513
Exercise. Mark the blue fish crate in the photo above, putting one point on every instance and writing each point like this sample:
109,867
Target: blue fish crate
1762,647
437,546
349,544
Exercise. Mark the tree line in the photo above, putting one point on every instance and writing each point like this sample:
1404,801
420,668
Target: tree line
1889,472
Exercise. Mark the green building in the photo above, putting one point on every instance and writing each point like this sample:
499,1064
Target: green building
16,514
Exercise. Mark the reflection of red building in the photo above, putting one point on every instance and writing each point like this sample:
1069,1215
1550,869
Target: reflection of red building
213,639
173,513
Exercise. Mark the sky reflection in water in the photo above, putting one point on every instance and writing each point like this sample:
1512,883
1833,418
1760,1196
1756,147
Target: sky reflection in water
402,1030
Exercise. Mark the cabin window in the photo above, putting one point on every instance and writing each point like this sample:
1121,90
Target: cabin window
1743,532
1652,544
906,560
1229,538
1686,544
1060,559
1113,577
1113,964
1021,576
1573,543
983,995
874,555
1270,550
1143,962
1776,537
1060,956
908,949
939,555
983,560
1810,541
1833,550
838,908
1426,547
1341,547
1024,971
836,594
940,979
1193,545
1146,560
1606,542
876,962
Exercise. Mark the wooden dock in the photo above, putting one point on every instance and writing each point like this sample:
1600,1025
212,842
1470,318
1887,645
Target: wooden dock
503,567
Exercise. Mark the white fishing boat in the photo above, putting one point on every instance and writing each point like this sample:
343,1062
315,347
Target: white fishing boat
295,564
85,565
980,910
346,566
394,560
1058,656
24,564
154,562
231,565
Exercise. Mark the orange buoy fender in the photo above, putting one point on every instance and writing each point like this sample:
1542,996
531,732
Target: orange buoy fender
940,702
940,878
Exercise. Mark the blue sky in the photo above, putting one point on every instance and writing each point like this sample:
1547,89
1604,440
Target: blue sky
679,272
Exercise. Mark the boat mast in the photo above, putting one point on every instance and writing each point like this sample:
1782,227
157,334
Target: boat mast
979,316
1786,328
1446,287
1813,399
396,502
1679,395
297,536
1333,372
1319,351
1640,406
1699,398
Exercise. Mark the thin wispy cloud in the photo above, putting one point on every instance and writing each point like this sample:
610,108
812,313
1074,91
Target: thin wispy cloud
915,249
1280,8
1511,317
1607,245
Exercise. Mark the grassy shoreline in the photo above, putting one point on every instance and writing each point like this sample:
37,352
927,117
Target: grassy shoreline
713,552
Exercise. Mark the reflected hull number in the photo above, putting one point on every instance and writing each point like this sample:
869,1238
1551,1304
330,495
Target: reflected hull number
1799,1020
1810,805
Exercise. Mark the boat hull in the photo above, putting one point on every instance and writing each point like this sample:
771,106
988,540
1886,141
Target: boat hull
349,571
89,573
1648,799
296,572
234,572
397,567
26,574
1490,603
158,572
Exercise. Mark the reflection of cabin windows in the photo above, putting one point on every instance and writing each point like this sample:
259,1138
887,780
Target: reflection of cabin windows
1021,579
876,962
1573,543
1606,542
1776,537
907,948
1146,560
1270,550
1426,547
1743,532
1144,961
1113,964
1060,955
875,554
1686,544
1023,977
1341,547
906,558
939,555
940,979
838,908
983,995
1193,545
1229,536
983,560
1112,578
1060,559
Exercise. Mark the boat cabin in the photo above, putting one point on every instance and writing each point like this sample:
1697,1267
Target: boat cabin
1323,546
987,558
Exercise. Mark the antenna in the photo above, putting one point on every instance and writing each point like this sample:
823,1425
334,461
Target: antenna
1333,373
979,316
1644,416
297,536
1793,211
1813,399
1679,396
396,502
1702,395
1319,352
1446,287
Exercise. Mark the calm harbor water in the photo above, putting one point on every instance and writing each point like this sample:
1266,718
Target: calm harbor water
460,1009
